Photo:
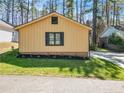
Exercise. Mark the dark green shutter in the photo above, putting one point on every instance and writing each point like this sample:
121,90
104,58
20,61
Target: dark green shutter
47,38
62,38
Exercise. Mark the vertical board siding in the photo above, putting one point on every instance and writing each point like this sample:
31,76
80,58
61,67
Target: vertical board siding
32,37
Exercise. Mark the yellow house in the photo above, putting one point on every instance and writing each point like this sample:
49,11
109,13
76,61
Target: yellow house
54,34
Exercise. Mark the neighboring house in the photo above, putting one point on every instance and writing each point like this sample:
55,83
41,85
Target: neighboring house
54,34
7,32
107,33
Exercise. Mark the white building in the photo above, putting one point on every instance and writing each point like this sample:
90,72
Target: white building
103,40
111,30
7,32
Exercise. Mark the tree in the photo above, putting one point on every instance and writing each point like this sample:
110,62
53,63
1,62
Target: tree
7,4
52,5
107,12
45,10
21,10
81,11
33,9
77,10
69,7
102,7
100,26
64,7
118,15
12,11
114,13
55,5
28,8
94,21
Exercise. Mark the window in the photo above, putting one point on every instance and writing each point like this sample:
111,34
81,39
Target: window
54,38
54,20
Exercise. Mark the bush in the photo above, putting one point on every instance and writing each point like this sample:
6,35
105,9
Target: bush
93,47
116,40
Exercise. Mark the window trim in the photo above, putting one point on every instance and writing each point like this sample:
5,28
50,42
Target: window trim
52,20
47,38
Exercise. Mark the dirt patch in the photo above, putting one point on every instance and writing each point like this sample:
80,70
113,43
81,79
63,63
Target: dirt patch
6,46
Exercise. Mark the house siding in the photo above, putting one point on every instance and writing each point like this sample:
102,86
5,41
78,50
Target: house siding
5,36
32,37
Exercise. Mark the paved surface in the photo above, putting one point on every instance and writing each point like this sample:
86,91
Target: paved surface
117,58
38,84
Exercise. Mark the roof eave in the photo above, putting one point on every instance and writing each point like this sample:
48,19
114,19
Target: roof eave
36,20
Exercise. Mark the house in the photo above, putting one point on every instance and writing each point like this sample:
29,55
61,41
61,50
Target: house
54,34
107,33
7,32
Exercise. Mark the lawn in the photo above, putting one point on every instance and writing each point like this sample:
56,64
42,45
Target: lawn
93,68
102,50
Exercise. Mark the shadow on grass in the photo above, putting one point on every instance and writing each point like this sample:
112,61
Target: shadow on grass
93,67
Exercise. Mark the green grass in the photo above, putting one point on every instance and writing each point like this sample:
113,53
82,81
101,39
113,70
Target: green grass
102,50
93,68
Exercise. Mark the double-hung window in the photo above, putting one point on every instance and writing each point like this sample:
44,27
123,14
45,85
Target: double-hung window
54,38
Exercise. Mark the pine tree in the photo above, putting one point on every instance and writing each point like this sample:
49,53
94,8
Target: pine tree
64,7
77,10
94,21
13,12
69,7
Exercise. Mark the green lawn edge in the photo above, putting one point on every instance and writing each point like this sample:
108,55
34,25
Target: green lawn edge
92,68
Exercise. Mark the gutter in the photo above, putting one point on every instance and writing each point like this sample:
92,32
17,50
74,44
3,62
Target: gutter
89,44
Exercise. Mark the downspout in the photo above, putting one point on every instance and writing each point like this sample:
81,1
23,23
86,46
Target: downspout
18,41
18,54
89,43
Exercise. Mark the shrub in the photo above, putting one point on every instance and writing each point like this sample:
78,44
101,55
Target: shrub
116,40
93,47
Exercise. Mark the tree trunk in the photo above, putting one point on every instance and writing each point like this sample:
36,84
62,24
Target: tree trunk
32,9
77,10
28,11
94,21
69,7
8,12
55,5
107,12
117,16
81,11
102,7
114,14
64,7
21,8
13,12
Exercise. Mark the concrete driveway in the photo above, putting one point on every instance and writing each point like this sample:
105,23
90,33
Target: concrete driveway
38,84
117,58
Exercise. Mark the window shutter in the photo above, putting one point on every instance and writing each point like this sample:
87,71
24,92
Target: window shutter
62,38
47,38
